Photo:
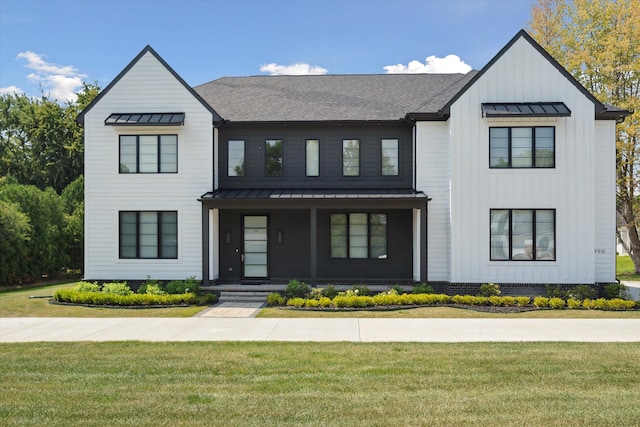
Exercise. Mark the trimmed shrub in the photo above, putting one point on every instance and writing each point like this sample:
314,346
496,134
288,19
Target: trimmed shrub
616,290
582,292
117,288
275,299
154,290
324,302
620,304
522,301
361,289
556,303
573,303
296,302
541,302
423,288
296,289
553,291
183,286
489,290
329,291
87,287
101,298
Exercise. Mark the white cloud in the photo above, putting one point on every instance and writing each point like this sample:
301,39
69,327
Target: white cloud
58,82
433,65
299,69
10,90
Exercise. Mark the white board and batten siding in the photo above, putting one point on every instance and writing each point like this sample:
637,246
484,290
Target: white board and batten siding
574,188
147,87
605,201
432,178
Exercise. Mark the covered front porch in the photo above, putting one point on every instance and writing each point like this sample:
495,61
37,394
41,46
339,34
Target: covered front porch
319,236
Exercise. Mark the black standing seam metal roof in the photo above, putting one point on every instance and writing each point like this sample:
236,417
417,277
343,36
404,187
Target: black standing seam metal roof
145,119
318,194
525,109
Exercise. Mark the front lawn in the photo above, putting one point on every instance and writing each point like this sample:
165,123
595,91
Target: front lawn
337,384
625,269
17,303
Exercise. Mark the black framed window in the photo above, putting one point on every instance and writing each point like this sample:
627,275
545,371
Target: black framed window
351,157
359,235
149,234
389,161
148,153
274,154
522,147
523,234
312,148
235,158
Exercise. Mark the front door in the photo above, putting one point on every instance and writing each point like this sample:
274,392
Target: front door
255,247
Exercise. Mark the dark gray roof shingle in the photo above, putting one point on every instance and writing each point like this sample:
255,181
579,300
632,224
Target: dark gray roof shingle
330,97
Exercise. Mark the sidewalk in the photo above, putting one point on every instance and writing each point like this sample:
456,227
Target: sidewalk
204,328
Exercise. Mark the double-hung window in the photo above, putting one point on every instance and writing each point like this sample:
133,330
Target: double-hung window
523,234
274,154
389,150
312,149
148,153
522,147
351,157
359,235
235,158
149,234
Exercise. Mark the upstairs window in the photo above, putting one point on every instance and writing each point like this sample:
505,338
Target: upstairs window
350,157
522,147
235,158
359,235
313,157
389,150
523,234
274,153
148,154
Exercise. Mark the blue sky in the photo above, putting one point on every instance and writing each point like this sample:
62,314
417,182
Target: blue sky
54,45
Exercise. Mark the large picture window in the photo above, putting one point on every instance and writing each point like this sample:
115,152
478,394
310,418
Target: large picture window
522,147
359,235
148,153
149,234
351,157
235,158
274,153
523,234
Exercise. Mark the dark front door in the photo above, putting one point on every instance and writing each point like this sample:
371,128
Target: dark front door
255,256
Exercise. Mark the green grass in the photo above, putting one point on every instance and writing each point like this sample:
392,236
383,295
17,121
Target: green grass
332,384
16,303
625,269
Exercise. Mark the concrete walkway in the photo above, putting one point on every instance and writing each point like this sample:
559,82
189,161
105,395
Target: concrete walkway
204,328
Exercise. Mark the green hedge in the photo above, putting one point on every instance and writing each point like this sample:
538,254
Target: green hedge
74,296
350,299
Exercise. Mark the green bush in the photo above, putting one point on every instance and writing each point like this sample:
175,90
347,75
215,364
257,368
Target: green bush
275,299
117,288
573,303
616,290
329,291
522,301
361,289
397,288
324,302
423,288
620,304
541,302
553,291
489,290
206,299
101,298
311,303
296,302
87,287
556,303
183,286
154,290
296,289
582,292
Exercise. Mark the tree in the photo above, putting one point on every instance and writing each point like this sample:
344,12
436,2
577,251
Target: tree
14,235
598,42
40,143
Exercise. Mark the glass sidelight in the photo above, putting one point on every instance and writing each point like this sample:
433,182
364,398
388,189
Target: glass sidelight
255,246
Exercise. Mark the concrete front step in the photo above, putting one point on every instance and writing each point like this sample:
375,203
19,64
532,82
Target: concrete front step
249,296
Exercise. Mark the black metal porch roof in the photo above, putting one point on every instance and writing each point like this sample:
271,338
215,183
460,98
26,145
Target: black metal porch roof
525,109
312,194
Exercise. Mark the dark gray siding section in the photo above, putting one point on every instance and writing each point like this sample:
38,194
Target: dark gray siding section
291,259
330,137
